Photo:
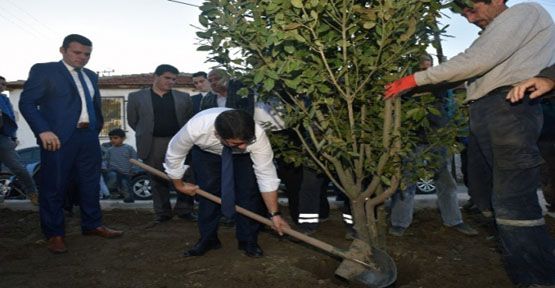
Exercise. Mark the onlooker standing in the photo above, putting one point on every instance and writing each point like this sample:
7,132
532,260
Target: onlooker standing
514,45
225,93
61,103
117,163
8,142
200,80
402,202
156,114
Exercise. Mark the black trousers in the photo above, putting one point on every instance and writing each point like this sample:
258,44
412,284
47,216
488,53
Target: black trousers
207,169
506,135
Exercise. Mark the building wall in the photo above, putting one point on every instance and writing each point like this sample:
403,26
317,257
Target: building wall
27,138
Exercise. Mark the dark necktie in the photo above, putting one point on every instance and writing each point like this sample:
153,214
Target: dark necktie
228,183
88,99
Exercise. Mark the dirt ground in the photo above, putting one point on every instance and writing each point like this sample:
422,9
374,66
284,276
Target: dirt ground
429,255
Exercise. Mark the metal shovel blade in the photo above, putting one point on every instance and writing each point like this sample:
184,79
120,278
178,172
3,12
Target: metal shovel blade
382,274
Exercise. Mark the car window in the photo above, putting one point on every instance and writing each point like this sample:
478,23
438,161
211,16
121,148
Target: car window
29,155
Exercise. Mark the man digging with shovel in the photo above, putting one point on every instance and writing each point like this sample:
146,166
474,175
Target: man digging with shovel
231,157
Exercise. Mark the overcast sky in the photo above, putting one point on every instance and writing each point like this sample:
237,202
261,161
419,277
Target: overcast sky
131,36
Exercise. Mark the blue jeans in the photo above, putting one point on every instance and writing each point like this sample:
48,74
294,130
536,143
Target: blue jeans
10,158
402,202
506,136
104,191
117,180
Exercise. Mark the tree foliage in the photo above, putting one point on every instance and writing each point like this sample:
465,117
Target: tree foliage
328,62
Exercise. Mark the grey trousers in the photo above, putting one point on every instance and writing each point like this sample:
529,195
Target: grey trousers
161,187
10,158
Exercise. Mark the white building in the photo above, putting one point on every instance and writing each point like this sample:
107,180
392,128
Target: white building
114,91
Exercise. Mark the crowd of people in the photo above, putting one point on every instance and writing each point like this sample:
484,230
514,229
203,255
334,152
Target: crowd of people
505,126
211,141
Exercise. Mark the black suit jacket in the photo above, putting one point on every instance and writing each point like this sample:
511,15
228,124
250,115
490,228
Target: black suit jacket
234,100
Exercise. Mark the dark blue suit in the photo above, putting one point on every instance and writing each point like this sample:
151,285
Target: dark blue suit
50,101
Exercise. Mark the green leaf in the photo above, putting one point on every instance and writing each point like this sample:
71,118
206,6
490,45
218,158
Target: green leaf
292,26
385,180
410,31
204,48
203,34
434,111
293,83
269,84
369,25
314,15
258,76
297,3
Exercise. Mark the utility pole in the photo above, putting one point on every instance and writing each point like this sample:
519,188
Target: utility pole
184,3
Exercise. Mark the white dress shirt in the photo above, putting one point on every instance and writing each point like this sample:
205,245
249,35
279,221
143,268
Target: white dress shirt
84,117
200,131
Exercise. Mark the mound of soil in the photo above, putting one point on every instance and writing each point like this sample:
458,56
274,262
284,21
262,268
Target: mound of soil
428,255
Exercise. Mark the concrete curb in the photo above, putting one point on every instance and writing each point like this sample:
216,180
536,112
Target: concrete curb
421,201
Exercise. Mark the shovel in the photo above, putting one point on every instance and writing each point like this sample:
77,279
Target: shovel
370,266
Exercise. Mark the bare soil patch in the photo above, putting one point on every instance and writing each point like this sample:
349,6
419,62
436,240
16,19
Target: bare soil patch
429,255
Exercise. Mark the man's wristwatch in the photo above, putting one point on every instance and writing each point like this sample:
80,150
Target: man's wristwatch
274,213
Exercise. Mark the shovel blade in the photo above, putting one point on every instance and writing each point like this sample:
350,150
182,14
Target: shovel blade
381,272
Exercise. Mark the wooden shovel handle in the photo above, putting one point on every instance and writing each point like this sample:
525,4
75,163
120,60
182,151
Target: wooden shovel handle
298,235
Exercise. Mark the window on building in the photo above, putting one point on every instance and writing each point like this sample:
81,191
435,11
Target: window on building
113,113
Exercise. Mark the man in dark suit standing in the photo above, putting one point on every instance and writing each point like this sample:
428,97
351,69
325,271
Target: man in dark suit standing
225,93
200,80
61,103
156,114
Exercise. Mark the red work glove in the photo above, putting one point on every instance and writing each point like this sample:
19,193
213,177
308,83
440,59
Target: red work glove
402,85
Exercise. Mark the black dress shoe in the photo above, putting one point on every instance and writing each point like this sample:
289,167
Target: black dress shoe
251,249
202,247
227,222
191,216
160,219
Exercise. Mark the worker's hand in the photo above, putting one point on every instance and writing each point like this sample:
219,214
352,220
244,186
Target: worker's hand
279,224
185,188
400,86
537,85
50,141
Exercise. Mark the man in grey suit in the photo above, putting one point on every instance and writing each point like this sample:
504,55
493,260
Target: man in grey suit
156,114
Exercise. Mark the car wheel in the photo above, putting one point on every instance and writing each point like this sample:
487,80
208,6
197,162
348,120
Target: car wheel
141,186
10,188
426,186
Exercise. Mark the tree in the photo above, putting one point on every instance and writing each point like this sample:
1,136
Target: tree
328,61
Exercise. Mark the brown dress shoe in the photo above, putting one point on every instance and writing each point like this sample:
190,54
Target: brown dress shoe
34,198
56,245
104,231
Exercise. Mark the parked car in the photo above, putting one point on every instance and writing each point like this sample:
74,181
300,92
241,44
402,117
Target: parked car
10,188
